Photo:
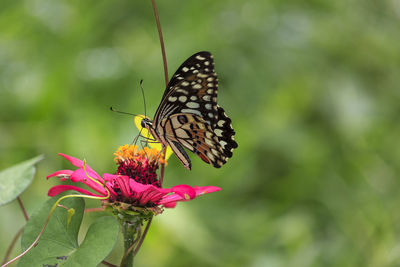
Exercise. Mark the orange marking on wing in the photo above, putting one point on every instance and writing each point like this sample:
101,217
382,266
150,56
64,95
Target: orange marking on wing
204,158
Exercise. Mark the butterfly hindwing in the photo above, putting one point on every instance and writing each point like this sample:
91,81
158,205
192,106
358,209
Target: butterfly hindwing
224,131
196,135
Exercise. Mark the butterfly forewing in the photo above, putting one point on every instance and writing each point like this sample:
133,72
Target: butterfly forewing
193,89
189,116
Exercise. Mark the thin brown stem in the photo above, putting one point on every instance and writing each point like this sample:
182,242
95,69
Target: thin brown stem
142,237
108,264
21,205
12,244
62,206
160,35
164,57
35,242
94,210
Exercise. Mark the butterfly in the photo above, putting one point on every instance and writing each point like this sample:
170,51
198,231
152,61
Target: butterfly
189,116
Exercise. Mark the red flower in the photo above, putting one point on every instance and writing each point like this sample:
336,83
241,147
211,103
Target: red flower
135,182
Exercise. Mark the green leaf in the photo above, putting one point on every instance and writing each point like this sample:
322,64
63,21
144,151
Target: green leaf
99,241
14,180
59,243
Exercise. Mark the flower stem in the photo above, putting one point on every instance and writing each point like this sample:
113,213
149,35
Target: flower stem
94,210
108,264
130,230
143,236
160,35
10,248
23,208
164,57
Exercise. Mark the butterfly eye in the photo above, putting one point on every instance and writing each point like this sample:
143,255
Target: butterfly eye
143,123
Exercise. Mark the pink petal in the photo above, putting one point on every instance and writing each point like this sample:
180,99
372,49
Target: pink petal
185,191
170,198
55,190
201,190
60,173
80,176
151,195
110,177
76,162
138,187
123,183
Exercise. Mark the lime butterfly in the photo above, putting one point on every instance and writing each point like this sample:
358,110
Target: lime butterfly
189,116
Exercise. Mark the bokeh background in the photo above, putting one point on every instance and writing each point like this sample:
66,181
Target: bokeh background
312,88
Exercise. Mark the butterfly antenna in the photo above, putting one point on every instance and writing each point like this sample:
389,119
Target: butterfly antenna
144,98
125,113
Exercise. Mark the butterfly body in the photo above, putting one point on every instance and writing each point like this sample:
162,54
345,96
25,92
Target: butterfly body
189,116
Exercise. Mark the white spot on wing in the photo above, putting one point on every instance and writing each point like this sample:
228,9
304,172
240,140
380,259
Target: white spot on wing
208,142
197,86
192,105
182,98
218,132
192,111
223,144
185,69
221,123
200,57
193,97
210,156
206,97
208,106
182,91
172,98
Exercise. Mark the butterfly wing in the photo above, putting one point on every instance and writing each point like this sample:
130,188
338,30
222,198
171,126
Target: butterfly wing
193,89
189,114
224,131
195,134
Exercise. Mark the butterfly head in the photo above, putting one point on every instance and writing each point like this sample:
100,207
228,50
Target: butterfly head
146,123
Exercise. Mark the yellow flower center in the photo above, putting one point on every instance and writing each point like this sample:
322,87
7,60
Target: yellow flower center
133,153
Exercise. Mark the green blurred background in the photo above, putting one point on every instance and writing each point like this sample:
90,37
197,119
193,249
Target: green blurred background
312,88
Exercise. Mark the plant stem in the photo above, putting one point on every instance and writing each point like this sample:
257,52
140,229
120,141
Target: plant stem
21,205
108,264
164,57
12,244
94,210
143,236
160,35
130,230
